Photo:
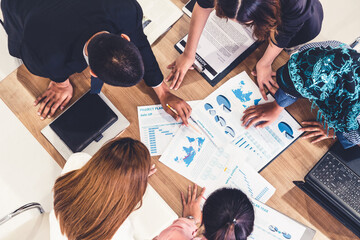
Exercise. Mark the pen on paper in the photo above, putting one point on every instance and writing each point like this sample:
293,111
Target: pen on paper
192,126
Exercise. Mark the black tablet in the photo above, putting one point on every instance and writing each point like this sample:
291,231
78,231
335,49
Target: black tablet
84,122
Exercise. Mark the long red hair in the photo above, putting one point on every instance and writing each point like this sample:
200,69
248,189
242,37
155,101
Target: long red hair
93,201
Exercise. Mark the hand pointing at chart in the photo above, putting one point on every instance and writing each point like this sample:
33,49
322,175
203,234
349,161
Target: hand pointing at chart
261,115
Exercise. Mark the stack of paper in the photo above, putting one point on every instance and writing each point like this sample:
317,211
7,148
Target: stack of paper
211,159
224,153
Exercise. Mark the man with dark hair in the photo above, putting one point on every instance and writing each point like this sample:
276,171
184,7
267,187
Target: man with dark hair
57,38
115,60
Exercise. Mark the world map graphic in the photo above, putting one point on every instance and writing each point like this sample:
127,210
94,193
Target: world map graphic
245,96
194,146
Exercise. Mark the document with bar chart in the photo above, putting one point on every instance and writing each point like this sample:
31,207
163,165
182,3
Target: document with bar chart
219,115
195,157
157,127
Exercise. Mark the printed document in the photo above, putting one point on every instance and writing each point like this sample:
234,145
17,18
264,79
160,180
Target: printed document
221,42
219,115
157,127
273,225
159,16
195,157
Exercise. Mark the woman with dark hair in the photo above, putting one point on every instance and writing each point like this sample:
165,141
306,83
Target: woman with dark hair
95,195
282,23
328,74
227,215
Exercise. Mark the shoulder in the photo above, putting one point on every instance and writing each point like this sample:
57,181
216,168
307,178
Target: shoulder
298,7
75,161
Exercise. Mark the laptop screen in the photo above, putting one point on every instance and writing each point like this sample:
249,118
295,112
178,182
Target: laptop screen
350,156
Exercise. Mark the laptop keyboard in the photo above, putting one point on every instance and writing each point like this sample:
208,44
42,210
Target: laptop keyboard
339,179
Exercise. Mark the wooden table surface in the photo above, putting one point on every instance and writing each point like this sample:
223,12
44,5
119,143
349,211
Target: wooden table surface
20,88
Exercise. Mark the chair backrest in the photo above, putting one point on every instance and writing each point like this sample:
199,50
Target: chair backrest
37,227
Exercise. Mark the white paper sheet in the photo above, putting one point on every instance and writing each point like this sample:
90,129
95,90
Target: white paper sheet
159,16
157,127
195,157
221,42
220,113
273,225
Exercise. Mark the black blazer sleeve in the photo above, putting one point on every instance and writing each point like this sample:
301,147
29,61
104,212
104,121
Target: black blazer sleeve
206,3
153,76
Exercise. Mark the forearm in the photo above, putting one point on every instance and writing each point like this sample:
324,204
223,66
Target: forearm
272,51
198,20
182,228
161,90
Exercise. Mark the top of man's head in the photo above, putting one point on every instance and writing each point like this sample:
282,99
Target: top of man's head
115,60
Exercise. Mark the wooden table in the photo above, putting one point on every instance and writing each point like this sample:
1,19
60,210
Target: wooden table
19,89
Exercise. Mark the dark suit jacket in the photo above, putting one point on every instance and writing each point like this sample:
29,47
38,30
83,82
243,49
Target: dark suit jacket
49,35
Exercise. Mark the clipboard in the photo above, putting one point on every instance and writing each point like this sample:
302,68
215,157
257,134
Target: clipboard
200,64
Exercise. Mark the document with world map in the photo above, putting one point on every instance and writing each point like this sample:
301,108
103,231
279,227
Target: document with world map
195,157
219,115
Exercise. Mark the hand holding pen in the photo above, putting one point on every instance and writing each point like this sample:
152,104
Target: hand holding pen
189,124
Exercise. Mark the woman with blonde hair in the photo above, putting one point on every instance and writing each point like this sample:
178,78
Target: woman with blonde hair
95,195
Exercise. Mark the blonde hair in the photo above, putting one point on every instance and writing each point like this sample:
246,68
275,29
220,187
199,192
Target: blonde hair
93,201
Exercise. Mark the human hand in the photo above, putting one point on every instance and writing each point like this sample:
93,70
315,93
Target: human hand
316,129
264,76
152,170
265,113
57,95
182,108
178,70
191,207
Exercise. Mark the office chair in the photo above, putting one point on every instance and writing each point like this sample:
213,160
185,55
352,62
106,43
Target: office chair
37,228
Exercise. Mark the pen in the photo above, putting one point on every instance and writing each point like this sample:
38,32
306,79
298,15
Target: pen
192,126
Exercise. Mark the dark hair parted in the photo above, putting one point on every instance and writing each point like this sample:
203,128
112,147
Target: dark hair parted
115,60
263,15
228,214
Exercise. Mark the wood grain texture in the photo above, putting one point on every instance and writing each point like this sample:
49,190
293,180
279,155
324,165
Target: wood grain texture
20,89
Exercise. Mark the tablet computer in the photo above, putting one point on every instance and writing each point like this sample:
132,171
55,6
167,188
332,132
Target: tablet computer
85,126
84,122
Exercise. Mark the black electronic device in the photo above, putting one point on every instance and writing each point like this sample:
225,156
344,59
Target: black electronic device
334,183
84,122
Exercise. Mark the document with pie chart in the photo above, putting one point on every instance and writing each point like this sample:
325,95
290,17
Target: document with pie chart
219,115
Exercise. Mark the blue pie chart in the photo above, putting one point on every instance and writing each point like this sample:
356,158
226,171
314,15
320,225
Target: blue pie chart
224,102
220,120
286,130
230,131
208,106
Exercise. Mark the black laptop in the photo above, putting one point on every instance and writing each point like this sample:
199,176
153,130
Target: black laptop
334,183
